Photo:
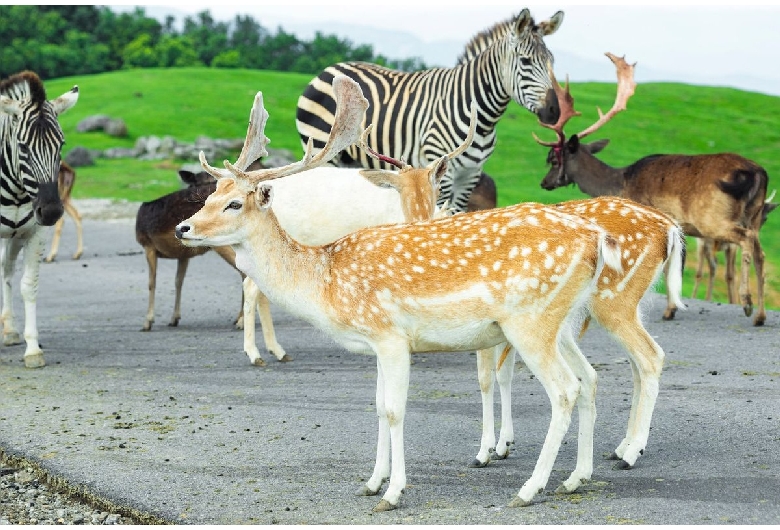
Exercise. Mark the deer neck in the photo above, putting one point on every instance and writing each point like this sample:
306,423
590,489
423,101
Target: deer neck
290,274
595,178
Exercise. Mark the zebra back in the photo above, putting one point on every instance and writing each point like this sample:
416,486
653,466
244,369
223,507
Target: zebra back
420,116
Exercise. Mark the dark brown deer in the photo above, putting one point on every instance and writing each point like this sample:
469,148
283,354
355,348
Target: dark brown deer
716,196
154,231
65,181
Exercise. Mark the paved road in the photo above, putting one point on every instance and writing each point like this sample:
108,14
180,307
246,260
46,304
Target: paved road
176,424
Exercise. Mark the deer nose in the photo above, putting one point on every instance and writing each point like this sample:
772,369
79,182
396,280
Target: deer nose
181,229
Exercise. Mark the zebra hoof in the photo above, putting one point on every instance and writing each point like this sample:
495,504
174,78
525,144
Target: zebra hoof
517,502
285,359
622,465
11,339
34,361
476,463
384,506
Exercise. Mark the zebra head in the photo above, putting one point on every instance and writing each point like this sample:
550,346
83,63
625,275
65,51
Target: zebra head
33,141
527,63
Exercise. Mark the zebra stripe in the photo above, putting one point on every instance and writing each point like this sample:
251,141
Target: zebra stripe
422,116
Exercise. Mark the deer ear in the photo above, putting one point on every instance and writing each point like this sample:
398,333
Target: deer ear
381,178
188,177
264,195
595,147
439,169
573,144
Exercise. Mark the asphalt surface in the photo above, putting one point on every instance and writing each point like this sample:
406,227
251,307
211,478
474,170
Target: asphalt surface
177,426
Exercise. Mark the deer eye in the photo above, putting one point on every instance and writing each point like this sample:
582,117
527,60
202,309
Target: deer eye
234,205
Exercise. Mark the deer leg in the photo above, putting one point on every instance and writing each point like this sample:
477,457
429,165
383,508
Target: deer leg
700,251
712,261
76,216
540,353
586,408
254,298
11,248
744,289
505,371
33,354
647,359
382,466
55,240
758,263
485,374
181,271
393,361
151,260
731,265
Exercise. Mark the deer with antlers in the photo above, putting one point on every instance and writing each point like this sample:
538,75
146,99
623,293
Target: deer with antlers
520,274
652,242
717,196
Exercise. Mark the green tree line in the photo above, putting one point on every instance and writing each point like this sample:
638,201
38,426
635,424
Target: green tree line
59,41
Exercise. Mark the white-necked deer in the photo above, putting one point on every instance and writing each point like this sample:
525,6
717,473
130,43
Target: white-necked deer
717,196
304,205
65,181
520,274
706,250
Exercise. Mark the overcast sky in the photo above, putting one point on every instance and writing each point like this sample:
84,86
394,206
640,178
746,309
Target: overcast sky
732,45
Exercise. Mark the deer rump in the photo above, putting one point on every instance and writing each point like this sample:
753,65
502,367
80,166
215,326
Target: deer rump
741,190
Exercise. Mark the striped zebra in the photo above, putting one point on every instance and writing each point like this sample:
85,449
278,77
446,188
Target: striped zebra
30,144
421,116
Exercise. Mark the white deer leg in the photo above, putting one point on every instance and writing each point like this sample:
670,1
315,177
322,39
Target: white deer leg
485,374
586,407
382,466
11,248
647,359
547,364
505,372
33,250
393,361
254,298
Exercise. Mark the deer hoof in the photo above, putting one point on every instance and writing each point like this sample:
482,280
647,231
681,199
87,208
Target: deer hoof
384,506
517,502
669,314
34,361
476,463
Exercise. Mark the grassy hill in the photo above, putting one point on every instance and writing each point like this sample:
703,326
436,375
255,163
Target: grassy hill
188,102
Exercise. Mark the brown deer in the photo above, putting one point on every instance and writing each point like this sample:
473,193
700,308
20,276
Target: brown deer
520,274
154,231
717,196
706,250
65,181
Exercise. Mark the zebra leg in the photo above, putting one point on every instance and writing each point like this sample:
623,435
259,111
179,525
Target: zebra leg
33,250
10,249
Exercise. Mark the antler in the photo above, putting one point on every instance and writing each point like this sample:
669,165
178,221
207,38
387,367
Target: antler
254,145
400,164
350,108
626,87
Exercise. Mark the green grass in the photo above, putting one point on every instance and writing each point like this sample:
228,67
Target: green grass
188,102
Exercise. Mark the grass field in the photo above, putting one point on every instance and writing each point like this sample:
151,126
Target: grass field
188,102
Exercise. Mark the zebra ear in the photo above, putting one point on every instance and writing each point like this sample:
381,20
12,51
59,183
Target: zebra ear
10,106
548,27
522,22
65,101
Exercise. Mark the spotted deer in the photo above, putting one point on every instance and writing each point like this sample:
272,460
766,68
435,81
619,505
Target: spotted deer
520,274
65,181
651,242
716,196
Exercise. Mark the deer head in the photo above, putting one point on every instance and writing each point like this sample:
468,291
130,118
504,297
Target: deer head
562,152
418,187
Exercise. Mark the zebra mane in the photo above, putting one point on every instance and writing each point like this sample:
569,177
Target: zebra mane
482,40
24,85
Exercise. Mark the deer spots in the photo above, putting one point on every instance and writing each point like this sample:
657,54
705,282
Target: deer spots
549,261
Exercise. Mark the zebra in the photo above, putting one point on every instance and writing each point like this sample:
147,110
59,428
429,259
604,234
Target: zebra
31,141
420,116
